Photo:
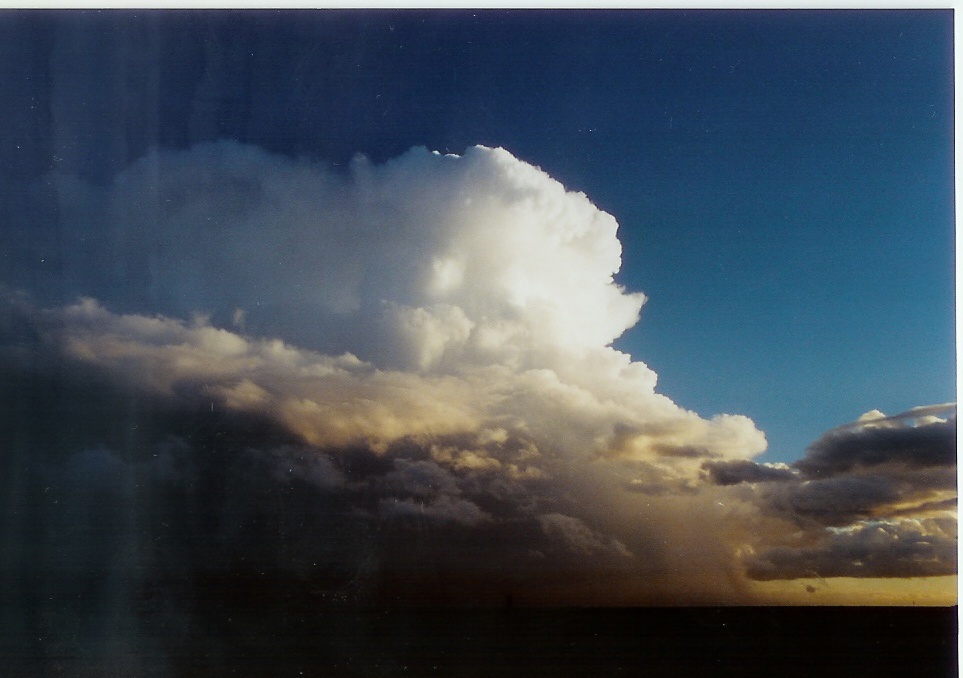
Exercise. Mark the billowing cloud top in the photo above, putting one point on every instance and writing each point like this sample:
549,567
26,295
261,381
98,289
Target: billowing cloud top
427,262
462,293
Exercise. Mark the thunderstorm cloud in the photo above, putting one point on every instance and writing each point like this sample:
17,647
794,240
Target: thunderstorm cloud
397,382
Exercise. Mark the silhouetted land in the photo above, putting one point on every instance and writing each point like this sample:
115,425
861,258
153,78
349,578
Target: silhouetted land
300,639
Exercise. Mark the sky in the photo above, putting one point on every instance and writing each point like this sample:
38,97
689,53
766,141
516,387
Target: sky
615,308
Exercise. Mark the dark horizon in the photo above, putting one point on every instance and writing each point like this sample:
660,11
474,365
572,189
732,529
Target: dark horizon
232,639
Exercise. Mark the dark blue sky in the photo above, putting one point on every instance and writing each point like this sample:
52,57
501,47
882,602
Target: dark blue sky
783,180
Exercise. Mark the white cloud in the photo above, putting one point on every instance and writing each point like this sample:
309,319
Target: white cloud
425,262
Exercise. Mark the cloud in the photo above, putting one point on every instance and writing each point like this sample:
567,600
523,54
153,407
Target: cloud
341,400
879,440
415,297
339,365
579,537
444,508
492,449
424,262
745,471
420,478
910,548
874,498
370,380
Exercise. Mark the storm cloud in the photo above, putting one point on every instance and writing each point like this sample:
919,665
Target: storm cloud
368,379
874,498
330,365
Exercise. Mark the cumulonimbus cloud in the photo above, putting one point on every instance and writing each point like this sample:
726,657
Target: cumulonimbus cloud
415,352
422,347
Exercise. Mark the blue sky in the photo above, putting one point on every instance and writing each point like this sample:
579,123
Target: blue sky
793,225
783,182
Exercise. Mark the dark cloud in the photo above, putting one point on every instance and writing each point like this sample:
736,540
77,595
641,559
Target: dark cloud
844,499
178,488
443,508
875,498
874,468
579,538
420,478
871,549
870,445
746,471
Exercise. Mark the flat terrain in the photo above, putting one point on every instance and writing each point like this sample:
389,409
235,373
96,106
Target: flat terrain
295,640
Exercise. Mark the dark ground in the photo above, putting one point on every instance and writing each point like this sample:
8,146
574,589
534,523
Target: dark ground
299,640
